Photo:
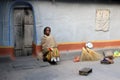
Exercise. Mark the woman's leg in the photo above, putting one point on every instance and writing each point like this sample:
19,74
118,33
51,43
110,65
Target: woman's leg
44,57
56,54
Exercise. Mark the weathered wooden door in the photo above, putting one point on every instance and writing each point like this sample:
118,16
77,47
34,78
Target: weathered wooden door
23,31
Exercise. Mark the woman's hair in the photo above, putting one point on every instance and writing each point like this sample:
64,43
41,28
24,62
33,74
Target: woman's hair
46,29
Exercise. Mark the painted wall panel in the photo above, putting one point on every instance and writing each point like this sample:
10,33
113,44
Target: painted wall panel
5,21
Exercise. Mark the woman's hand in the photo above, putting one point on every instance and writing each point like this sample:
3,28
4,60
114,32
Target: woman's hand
50,49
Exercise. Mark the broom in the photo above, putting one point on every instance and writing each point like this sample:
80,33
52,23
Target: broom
96,56
85,56
89,55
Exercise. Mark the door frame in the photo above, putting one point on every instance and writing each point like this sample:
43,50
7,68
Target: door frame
11,32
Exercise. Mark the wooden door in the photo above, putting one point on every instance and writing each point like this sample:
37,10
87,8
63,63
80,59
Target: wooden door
23,31
28,31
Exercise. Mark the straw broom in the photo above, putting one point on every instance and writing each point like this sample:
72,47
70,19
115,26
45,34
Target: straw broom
89,55
96,56
85,56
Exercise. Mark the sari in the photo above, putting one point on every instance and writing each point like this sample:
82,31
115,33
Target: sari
49,47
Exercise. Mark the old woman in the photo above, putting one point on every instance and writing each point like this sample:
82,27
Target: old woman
49,47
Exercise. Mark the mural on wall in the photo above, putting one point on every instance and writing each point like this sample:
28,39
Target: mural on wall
102,19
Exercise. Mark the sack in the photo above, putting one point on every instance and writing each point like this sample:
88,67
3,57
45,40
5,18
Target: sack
108,53
107,61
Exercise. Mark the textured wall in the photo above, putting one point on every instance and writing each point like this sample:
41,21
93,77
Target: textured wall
70,22
1,24
4,24
75,22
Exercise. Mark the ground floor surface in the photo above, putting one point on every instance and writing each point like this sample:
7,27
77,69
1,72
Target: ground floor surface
28,68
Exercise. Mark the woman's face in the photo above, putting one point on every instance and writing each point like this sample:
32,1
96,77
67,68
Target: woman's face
47,31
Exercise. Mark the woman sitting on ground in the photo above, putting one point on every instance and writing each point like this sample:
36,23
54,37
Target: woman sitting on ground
49,47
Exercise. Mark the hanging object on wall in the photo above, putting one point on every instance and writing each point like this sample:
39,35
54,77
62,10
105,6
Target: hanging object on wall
102,19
